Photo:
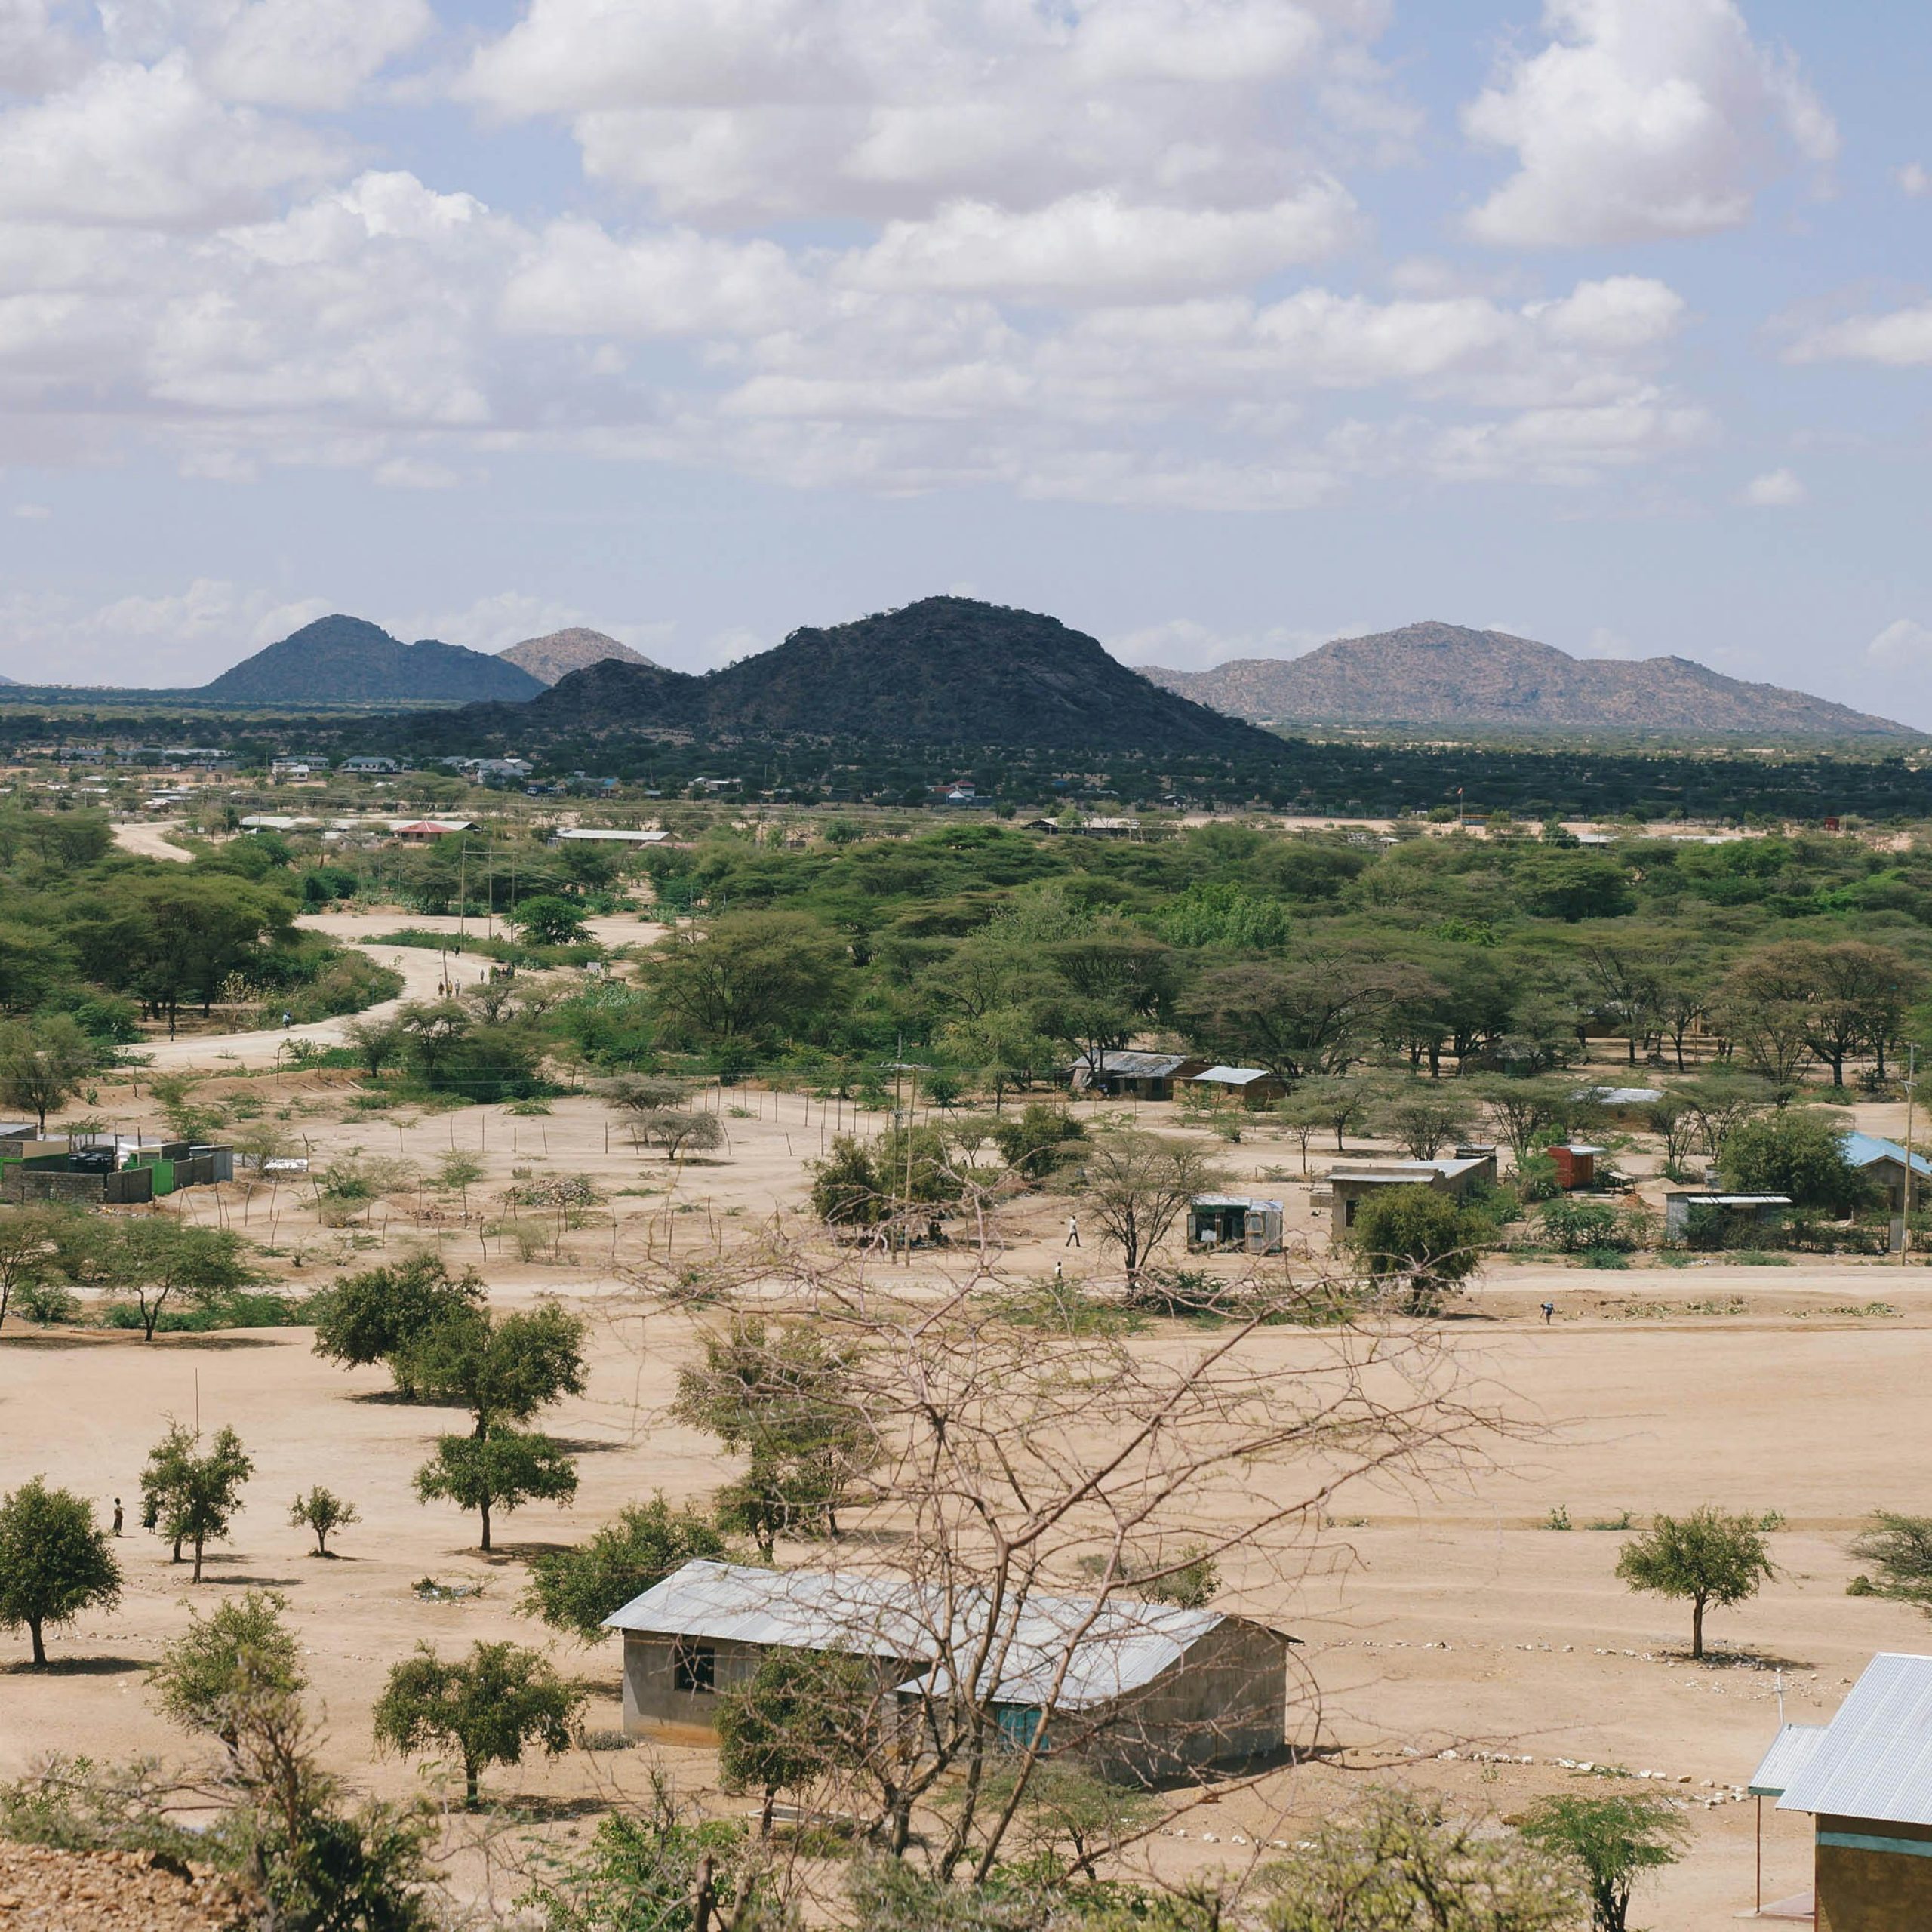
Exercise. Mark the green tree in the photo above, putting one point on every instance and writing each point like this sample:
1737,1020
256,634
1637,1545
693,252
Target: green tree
1901,1549
210,1677
500,1368
1401,1863
1420,1236
790,1724
746,976
322,1512
1296,1018
1613,1841
496,1473
573,1590
1797,1150
650,1874
1525,1115
1419,1115
1706,1558
847,1189
29,1256
157,1258
378,1044
549,919
189,1495
1136,1185
54,1563
376,1315
488,1708
42,1062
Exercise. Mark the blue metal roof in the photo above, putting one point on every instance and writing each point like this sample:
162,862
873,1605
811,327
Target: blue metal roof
1861,1150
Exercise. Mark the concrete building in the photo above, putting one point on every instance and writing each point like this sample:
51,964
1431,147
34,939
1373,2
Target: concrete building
1457,1176
1687,1210
1125,1074
1144,1690
1865,1778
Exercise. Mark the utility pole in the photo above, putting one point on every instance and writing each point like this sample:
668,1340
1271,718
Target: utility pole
1911,1094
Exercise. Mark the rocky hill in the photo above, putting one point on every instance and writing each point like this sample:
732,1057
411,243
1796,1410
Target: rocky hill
1443,675
343,660
548,659
945,671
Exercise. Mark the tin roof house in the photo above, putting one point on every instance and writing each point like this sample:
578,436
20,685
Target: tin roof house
1866,1778
1138,1692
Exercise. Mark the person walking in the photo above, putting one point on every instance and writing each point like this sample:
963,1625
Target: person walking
1549,1313
1072,1231
117,1515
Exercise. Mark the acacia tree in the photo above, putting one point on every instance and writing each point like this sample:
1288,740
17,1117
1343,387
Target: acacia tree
1136,1185
1297,1019
1419,1115
322,1512
497,1472
42,1063
1613,1842
157,1259
1420,1237
488,1707
790,1726
54,1562
573,1590
1708,1556
190,1496
28,1255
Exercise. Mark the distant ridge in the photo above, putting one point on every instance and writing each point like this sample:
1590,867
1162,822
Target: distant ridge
558,655
344,660
944,671
1444,675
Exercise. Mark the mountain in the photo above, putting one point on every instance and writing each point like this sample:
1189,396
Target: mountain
1443,676
342,660
547,658
945,671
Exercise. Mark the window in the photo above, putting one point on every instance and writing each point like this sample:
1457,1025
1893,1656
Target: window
694,1667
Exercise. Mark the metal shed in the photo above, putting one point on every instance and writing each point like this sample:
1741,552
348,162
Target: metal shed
1145,1689
1222,1221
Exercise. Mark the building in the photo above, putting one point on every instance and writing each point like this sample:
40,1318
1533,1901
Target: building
1251,1086
370,768
1625,1107
1576,1165
1883,1161
1144,1690
1218,1222
1457,1176
1123,1073
606,834
424,832
1693,1211
1865,1778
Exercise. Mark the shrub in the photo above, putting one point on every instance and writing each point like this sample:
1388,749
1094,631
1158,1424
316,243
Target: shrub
1037,1139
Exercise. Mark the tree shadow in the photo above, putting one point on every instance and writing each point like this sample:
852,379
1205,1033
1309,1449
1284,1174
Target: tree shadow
582,1445
106,1666
538,1810
395,1398
521,1552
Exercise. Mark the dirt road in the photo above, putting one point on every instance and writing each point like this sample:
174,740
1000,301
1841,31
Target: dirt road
148,839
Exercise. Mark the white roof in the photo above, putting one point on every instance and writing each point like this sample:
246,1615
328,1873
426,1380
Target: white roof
1410,1170
1875,1759
610,832
1235,1200
1620,1096
1116,1647
1791,1750
1233,1076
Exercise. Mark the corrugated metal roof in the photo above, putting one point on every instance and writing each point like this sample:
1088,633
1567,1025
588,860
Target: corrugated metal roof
1138,1065
1861,1150
1233,1076
1790,1750
1234,1201
1875,1760
1128,1644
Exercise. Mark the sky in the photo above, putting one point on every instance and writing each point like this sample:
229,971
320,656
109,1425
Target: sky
1215,328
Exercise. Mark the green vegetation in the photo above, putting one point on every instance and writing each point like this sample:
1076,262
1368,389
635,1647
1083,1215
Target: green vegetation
1613,1841
1708,1556
573,1590
54,1562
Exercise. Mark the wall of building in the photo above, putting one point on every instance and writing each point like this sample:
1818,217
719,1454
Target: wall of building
1862,1888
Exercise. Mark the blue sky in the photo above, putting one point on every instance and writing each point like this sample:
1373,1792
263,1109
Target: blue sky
1216,327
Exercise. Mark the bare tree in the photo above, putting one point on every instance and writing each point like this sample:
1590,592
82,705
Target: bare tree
1032,1490
1136,1185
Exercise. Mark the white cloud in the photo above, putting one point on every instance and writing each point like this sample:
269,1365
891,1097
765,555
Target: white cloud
1776,490
133,146
1093,247
1900,340
1914,179
1902,644
32,512
1641,119
309,53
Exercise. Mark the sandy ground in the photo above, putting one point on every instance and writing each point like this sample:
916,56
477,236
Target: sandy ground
148,838
1458,1621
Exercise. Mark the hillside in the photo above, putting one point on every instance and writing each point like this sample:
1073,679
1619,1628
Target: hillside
548,659
338,660
945,671
1443,675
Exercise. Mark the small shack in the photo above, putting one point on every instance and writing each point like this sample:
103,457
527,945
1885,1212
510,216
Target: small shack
1866,1781
1884,1162
1248,1086
1217,1223
1125,1073
1717,1220
1459,1177
1626,1106
1576,1165
1137,1691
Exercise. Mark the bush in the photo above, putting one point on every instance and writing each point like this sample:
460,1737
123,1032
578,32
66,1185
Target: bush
1797,1152
1037,1139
